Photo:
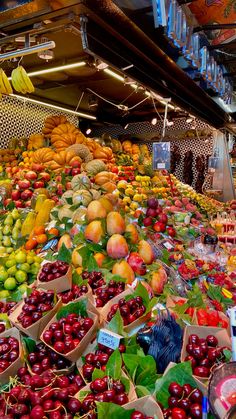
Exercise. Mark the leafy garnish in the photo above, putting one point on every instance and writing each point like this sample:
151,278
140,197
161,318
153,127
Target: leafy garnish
80,308
116,324
114,364
64,254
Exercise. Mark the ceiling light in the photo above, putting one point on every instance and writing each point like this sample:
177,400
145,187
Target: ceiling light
100,65
55,69
154,121
134,86
126,126
88,131
113,74
46,55
169,123
189,120
147,93
49,105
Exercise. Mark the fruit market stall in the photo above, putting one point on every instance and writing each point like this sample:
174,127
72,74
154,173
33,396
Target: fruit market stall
115,291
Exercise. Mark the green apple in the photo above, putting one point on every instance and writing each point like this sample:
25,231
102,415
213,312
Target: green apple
21,276
20,257
10,284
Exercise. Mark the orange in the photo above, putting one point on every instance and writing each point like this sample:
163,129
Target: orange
39,230
53,231
31,244
41,238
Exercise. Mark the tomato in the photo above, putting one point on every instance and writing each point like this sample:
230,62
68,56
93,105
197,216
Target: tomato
213,318
114,169
180,302
190,311
202,317
223,323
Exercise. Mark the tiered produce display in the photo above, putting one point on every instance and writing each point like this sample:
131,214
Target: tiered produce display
114,295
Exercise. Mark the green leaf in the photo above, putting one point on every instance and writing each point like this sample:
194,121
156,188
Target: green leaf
4,318
141,291
195,298
112,411
108,263
80,308
142,391
214,292
79,239
85,253
92,264
64,254
69,200
116,324
77,279
180,373
228,355
114,364
16,296
180,309
29,344
98,374
132,347
51,256
126,383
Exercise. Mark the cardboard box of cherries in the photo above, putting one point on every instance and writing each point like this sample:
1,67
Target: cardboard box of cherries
55,275
11,351
145,408
71,329
134,306
205,347
33,313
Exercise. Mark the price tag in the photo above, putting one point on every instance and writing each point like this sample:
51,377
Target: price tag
109,339
168,246
161,165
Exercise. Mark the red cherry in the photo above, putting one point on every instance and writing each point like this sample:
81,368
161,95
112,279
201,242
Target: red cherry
175,389
178,413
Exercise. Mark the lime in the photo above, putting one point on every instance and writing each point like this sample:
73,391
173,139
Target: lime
20,257
10,284
21,276
12,271
4,294
30,259
3,275
24,267
10,262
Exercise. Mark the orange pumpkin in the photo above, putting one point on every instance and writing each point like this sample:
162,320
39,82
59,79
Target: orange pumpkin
105,154
104,177
62,159
66,135
52,122
43,155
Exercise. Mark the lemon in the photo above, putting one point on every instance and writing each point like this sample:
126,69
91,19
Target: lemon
10,284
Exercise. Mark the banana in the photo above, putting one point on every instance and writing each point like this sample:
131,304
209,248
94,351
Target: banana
3,90
26,79
6,83
17,81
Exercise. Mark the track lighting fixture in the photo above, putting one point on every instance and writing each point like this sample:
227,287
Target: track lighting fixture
154,121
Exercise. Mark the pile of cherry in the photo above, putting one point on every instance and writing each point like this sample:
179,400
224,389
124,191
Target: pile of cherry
95,279
53,270
66,334
106,293
44,358
76,291
130,310
139,415
204,354
41,396
98,360
185,402
35,307
9,352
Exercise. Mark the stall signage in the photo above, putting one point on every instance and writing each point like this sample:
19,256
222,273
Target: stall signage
12,4
161,156
108,338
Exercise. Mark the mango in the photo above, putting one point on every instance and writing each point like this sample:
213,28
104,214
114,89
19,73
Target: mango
115,223
117,247
146,252
95,210
133,233
99,257
106,203
66,239
123,269
76,258
94,231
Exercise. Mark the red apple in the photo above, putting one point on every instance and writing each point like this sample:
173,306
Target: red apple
151,212
26,194
38,184
30,175
68,185
159,227
147,221
136,262
75,163
67,170
75,171
158,210
55,198
8,169
15,195
60,189
28,204
24,184
58,178
171,231
7,202
44,176
19,204
163,218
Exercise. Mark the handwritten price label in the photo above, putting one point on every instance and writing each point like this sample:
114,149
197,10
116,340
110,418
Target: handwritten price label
109,339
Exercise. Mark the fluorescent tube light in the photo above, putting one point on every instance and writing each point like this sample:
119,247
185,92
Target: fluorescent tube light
49,105
113,74
55,69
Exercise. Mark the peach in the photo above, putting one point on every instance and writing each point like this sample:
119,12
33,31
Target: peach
117,247
158,280
95,210
133,233
66,239
115,223
123,269
99,257
94,231
106,203
145,250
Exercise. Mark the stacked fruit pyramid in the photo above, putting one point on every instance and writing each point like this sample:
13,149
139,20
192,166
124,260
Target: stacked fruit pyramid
94,246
